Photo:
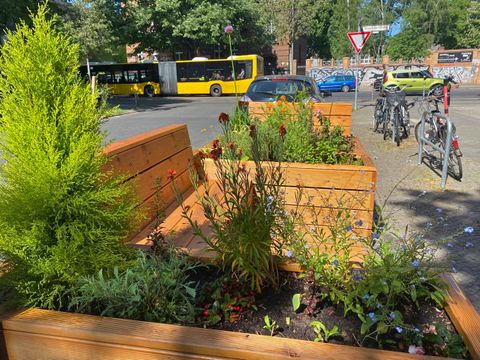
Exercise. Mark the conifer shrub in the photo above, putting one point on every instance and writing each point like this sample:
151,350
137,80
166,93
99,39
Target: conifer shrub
61,217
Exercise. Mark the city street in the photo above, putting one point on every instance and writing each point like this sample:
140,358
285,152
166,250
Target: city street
411,194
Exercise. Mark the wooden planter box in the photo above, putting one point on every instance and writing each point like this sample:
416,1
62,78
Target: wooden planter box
327,188
43,334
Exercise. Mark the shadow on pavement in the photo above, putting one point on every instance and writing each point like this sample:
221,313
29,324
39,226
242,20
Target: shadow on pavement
449,217
144,103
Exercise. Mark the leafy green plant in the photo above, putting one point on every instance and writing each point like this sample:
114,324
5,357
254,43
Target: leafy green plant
61,216
323,334
438,340
299,140
155,288
296,302
270,325
225,299
244,214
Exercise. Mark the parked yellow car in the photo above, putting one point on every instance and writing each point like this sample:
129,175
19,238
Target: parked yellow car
413,81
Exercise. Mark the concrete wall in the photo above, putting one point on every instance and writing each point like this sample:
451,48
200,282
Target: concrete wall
463,73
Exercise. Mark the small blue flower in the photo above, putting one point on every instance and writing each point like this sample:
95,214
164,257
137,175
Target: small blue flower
379,306
413,287
392,315
289,254
404,247
423,279
357,277
468,230
453,269
366,297
399,329
441,219
450,245
349,228
359,222
372,316
375,236
468,244
415,263
335,262
417,330
439,210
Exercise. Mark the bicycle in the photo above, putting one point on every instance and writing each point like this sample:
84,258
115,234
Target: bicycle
436,132
398,117
380,113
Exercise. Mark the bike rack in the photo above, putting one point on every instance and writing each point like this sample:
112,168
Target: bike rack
445,152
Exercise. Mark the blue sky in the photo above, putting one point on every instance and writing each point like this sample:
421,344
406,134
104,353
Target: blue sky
395,27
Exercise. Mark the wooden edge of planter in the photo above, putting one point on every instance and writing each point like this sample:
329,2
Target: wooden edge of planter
36,333
463,315
126,144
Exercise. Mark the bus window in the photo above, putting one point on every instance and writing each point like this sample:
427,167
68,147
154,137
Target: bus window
145,75
104,77
228,71
215,71
131,76
196,71
118,77
243,69
182,72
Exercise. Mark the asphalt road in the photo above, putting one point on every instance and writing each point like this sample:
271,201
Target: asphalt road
200,113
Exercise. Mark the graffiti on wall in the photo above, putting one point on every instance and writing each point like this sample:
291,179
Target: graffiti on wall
461,74
368,74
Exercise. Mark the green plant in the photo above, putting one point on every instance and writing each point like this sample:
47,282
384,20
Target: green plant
225,299
438,340
323,334
154,288
296,302
244,210
270,325
61,216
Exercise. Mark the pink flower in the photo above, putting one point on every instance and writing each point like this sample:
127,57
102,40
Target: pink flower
228,29
418,350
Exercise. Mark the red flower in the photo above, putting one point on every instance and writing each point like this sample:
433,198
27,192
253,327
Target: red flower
236,308
223,118
171,174
216,153
205,313
282,130
215,143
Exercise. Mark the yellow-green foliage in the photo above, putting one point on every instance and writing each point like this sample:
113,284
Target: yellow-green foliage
60,217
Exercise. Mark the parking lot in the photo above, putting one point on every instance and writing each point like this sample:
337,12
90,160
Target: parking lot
410,194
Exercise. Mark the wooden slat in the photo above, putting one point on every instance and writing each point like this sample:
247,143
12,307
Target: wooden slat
45,334
464,316
146,183
325,215
132,156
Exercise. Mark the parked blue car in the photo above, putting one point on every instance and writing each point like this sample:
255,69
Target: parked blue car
343,83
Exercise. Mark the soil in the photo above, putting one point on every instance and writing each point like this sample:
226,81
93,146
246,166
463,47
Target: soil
278,306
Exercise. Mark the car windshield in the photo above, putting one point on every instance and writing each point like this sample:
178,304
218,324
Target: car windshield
272,89
426,73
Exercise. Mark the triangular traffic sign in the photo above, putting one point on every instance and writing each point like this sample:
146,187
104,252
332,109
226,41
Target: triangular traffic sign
358,39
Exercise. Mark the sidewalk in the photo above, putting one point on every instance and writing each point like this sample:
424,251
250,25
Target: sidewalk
413,195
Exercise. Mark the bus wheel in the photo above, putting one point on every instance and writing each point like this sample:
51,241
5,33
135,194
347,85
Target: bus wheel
216,90
148,91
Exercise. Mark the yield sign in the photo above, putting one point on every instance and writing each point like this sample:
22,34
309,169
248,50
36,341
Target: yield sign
358,39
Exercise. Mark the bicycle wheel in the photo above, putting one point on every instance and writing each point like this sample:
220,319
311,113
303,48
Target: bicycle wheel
405,122
455,169
396,126
378,114
431,134
386,122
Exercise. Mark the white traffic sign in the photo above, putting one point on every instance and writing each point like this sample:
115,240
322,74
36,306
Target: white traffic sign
358,39
376,28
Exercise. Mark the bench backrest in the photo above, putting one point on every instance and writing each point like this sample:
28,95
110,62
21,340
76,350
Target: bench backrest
338,113
146,159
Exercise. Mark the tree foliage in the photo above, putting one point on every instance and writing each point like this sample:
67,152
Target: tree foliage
61,217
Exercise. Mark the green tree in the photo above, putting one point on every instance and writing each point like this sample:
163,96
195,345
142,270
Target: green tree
344,19
192,25
94,26
61,217
468,26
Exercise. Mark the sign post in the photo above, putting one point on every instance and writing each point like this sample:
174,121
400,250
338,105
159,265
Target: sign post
358,40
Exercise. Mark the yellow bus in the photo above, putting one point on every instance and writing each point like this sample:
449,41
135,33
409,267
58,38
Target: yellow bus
215,76
125,79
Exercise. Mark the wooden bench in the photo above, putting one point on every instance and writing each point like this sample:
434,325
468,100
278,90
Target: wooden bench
145,160
338,113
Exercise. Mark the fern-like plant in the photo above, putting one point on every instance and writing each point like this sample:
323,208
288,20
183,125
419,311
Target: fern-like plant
60,216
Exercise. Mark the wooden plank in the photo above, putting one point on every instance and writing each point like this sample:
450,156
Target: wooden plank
326,216
132,160
58,335
138,140
146,183
348,177
334,108
464,316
